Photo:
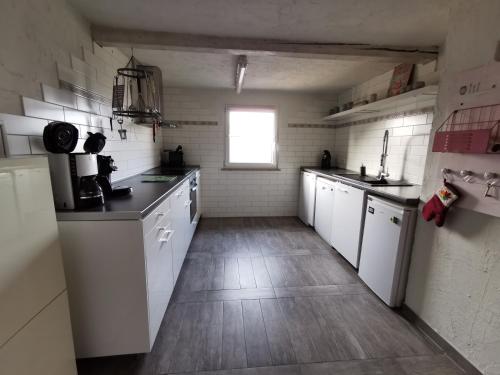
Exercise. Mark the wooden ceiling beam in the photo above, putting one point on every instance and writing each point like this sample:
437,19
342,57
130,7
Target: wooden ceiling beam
115,37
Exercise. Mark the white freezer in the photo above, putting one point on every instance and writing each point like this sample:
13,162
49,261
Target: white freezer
386,247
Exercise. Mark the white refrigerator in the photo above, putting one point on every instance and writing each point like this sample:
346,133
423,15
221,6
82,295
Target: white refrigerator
35,327
385,251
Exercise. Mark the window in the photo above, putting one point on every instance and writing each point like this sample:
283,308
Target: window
251,137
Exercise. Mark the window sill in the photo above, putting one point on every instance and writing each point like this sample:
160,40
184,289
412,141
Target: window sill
250,169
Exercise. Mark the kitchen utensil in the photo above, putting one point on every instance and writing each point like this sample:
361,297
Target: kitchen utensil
60,137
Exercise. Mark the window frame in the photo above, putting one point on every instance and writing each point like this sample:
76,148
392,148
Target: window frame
251,166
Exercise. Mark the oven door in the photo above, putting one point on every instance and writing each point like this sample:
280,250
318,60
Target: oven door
193,187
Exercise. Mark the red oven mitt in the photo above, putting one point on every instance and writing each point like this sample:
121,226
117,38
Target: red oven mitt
438,205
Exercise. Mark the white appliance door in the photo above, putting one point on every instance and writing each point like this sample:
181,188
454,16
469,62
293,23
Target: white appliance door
325,192
303,197
347,222
29,245
35,330
380,250
310,197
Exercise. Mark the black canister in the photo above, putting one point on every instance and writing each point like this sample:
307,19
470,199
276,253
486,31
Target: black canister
326,160
362,170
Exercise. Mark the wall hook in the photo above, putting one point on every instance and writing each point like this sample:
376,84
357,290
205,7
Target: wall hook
491,184
467,176
490,176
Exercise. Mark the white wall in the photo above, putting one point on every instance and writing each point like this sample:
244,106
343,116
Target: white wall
454,283
52,33
247,193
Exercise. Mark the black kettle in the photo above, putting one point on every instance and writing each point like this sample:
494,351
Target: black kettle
326,160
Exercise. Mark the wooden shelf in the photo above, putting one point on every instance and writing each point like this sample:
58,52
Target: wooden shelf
420,96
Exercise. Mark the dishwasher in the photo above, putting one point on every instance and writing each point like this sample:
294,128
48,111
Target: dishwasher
386,248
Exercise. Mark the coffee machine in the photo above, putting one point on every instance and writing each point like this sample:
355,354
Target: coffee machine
106,166
74,183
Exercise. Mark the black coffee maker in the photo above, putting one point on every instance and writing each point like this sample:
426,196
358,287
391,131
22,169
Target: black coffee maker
326,160
105,166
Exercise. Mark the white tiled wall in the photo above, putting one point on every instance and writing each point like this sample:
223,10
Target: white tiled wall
247,193
54,42
408,141
43,54
236,193
409,130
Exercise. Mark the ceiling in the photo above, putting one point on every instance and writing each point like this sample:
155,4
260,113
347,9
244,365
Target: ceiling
394,22
385,22
212,70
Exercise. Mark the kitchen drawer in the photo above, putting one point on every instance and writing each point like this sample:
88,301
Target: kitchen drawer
159,233
159,214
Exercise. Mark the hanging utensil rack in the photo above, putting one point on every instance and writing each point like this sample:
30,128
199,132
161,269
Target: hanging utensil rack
471,130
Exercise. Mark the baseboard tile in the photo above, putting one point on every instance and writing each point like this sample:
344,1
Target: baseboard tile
449,350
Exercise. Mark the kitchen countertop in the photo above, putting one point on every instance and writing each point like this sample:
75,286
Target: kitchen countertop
409,195
144,198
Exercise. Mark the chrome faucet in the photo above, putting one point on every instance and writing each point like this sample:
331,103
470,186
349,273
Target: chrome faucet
382,171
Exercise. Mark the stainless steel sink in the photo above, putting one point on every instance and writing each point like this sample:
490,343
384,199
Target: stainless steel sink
373,181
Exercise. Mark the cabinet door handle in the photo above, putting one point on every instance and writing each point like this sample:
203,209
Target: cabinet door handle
168,236
344,190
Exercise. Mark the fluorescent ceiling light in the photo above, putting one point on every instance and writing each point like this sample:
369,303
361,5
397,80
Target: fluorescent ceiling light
241,68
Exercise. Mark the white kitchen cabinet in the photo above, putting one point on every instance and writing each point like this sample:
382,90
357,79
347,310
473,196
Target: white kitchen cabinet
324,208
158,246
347,221
121,275
307,197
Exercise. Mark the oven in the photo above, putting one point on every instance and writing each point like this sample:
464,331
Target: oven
193,188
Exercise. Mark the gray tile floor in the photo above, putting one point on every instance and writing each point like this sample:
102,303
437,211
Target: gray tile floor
263,296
